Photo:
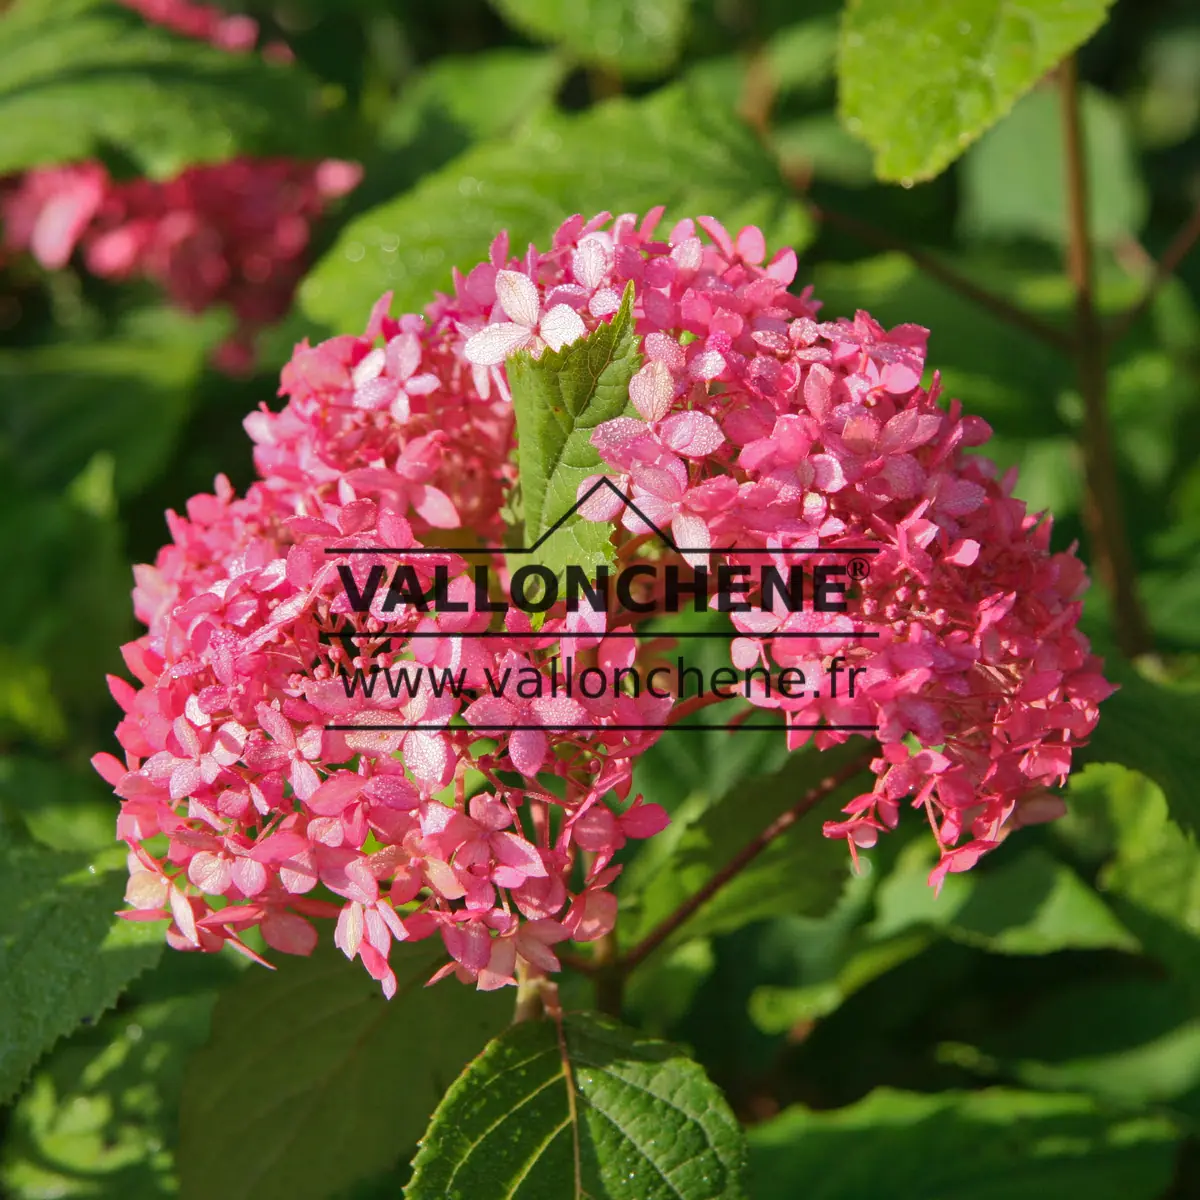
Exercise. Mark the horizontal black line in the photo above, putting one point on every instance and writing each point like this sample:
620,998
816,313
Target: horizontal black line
583,728
652,633
532,549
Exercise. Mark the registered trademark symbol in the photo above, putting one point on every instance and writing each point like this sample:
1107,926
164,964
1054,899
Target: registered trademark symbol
858,569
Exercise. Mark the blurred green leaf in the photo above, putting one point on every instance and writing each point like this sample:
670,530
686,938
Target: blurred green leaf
1152,872
1028,903
799,872
1130,1043
63,954
485,95
98,1118
65,806
990,1145
636,38
645,1123
70,401
803,56
919,82
1151,727
313,1056
621,156
559,399
77,76
1014,183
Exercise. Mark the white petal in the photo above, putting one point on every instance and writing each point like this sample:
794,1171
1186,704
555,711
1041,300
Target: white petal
518,297
494,343
561,326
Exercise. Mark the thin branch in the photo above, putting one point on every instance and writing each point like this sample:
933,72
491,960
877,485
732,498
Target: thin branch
934,267
1180,246
1103,511
742,859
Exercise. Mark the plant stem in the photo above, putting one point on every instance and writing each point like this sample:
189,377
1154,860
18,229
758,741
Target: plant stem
936,269
1177,250
1103,512
741,860
530,982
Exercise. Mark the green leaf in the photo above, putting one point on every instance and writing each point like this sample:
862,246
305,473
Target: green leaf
99,1116
1027,903
636,38
1151,727
483,95
777,1009
559,399
1152,877
81,76
68,401
919,82
1128,1042
989,1145
800,871
1014,184
671,148
640,1122
63,955
313,1056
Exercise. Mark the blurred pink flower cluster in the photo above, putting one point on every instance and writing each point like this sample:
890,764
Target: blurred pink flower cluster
232,233
256,792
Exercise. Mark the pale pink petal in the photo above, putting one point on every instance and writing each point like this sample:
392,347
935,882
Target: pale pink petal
494,343
652,390
518,297
561,326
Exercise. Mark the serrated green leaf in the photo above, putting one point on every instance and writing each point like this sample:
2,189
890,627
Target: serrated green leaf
635,38
313,1056
79,76
646,1124
672,148
64,956
800,872
1014,184
559,399
989,1145
919,82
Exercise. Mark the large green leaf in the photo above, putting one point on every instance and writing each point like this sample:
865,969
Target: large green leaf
990,1145
125,397
919,81
79,76
1014,184
1151,728
618,1115
633,37
314,1057
64,956
800,872
99,1116
1028,903
671,148
1152,876
559,399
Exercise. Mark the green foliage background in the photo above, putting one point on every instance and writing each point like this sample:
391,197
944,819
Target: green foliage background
1036,1031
